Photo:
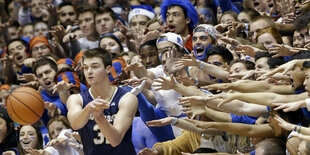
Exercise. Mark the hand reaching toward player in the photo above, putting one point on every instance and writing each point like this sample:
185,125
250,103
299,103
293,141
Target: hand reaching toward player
160,122
164,83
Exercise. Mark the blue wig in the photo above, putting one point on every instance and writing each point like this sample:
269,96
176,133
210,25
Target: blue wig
186,5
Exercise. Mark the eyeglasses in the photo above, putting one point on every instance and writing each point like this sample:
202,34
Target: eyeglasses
42,47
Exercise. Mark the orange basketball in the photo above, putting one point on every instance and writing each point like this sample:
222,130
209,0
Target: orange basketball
25,105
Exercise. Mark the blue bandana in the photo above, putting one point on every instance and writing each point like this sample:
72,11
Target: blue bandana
204,55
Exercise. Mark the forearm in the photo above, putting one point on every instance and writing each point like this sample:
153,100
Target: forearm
268,98
108,130
183,124
260,86
244,129
238,107
217,115
188,91
78,118
213,70
143,72
64,95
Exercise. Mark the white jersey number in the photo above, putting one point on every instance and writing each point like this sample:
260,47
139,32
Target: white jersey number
100,138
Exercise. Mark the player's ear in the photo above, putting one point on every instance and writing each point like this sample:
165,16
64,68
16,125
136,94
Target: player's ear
108,69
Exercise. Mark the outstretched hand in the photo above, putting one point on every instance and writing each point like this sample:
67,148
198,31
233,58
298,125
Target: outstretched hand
188,62
62,86
160,122
193,101
287,107
164,83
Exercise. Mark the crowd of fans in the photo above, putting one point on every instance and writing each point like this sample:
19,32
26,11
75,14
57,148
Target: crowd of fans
205,76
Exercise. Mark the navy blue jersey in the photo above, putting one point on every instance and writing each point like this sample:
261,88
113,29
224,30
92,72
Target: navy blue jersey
93,140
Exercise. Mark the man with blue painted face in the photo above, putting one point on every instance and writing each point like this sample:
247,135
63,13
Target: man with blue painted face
203,38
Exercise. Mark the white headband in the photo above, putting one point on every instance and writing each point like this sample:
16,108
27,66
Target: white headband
139,11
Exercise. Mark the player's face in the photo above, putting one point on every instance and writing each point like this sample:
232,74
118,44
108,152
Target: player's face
176,20
39,50
28,137
110,45
149,56
46,77
87,23
55,128
3,130
67,15
94,70
18,51
104,23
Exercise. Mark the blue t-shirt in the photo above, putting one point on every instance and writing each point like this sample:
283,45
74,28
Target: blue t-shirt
243,119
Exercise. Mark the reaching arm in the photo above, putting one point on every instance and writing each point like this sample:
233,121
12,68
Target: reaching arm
123,120
217,116
261,98
263,130
248,86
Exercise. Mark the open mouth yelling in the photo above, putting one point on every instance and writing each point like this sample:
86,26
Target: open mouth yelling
171,28
48,83
256,3
298,12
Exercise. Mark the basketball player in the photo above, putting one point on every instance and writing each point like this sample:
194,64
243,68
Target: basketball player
102,114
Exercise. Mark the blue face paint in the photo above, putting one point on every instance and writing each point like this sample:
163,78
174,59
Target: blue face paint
204,55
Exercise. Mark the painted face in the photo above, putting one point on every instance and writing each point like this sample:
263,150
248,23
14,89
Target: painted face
110,45
255,27
104,23
55,128
138,22
201,43
149,56
39,50
244,18
237,68
227,19
18,50
36,8
67,15
28,31
261,66
267,40
299,38
176,20
28,137
87,23
94,70
46,77
3,130
40,29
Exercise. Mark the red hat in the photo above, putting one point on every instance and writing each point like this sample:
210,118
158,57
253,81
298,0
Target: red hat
39,39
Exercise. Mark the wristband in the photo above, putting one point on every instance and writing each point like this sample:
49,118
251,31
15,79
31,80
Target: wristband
201,66
308,104
174,121
197,81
